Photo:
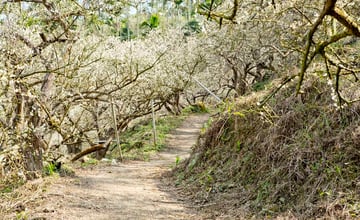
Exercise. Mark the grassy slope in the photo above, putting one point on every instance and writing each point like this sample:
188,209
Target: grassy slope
295,157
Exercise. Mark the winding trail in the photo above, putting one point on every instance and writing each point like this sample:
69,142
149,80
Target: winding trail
124,191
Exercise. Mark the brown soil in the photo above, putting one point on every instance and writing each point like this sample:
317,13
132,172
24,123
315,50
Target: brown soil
131,190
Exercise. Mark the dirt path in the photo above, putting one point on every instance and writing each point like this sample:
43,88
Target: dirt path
123,191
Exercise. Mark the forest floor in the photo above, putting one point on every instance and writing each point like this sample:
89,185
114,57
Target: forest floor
129,190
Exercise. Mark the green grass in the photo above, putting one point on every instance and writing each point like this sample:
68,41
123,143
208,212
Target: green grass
49,169
137,143
196,108
9,187
89,163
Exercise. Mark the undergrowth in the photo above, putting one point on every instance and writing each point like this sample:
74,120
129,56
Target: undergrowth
137,143
295,157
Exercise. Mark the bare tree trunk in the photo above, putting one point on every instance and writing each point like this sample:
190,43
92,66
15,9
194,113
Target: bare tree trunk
33,156
33,153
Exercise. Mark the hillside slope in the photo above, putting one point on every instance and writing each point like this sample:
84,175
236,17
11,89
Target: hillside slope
296,157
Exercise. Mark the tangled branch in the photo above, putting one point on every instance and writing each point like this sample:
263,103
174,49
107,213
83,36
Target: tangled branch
330,9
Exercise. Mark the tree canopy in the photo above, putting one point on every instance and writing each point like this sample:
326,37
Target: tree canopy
65,63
